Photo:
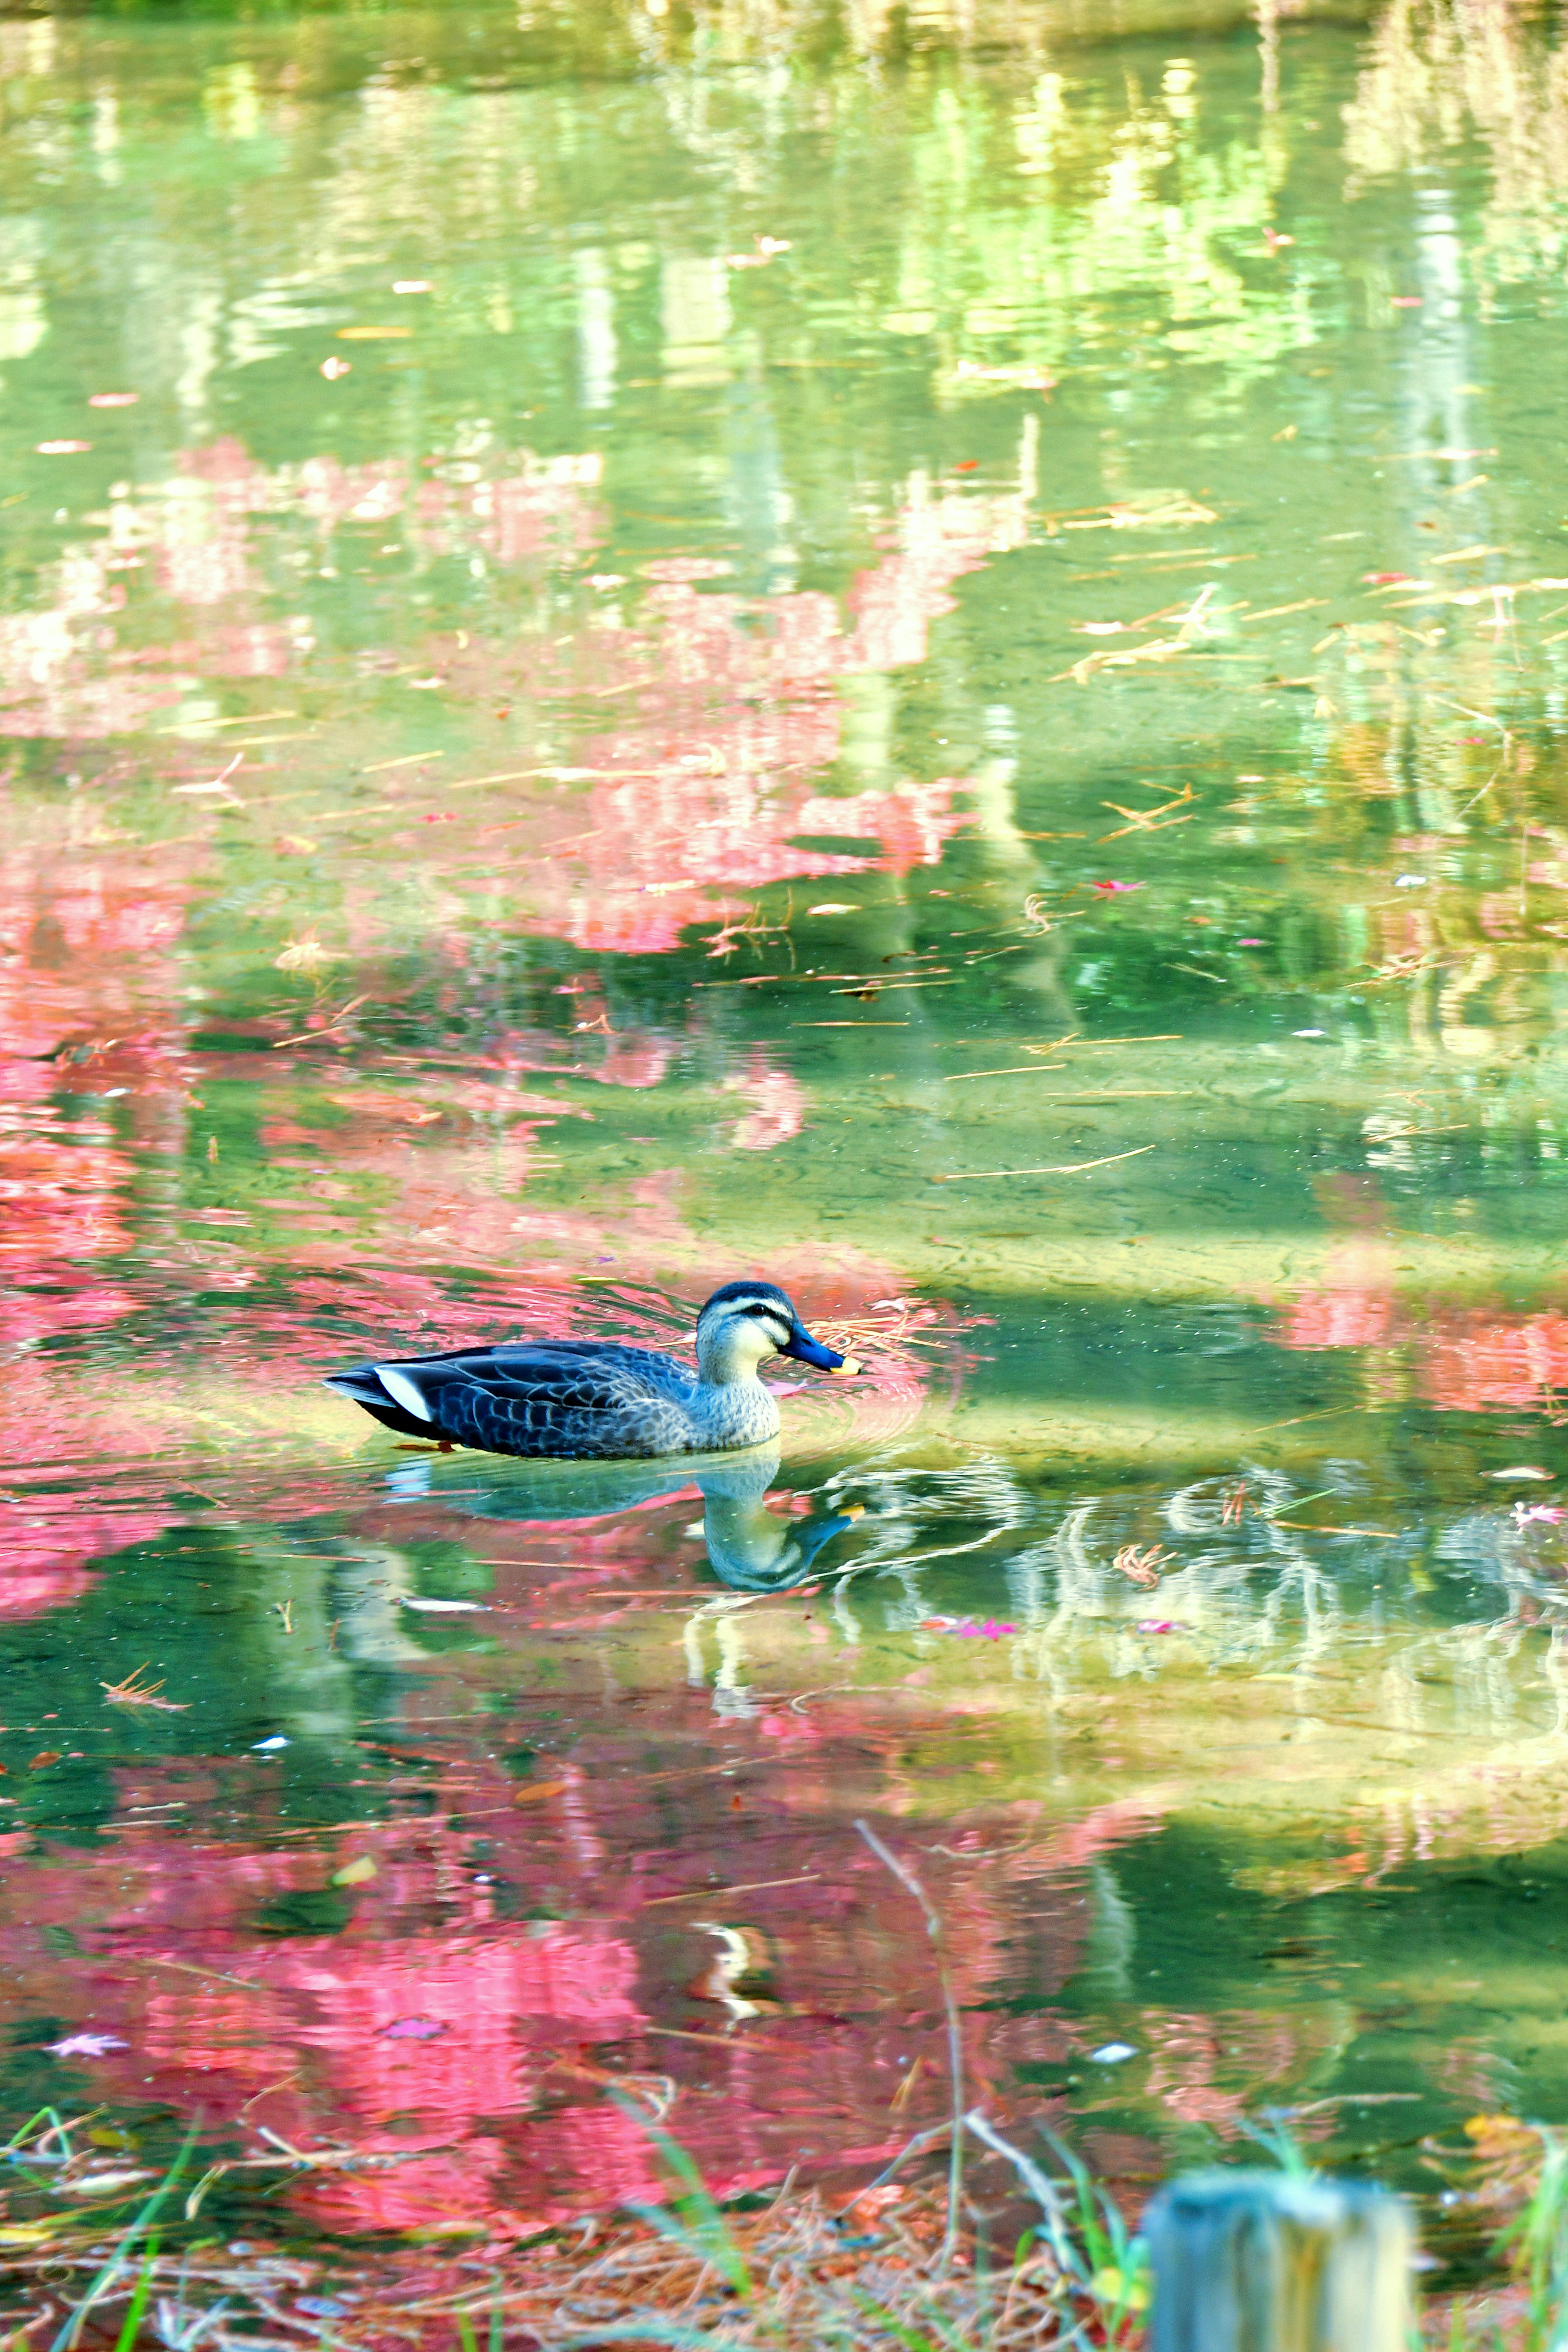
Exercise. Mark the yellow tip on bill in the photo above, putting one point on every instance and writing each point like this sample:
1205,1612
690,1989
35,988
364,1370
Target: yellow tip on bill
845,1370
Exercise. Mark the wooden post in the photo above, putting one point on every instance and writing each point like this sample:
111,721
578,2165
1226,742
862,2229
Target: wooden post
1259,2261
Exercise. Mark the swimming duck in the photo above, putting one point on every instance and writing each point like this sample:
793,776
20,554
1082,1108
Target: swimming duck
591,1398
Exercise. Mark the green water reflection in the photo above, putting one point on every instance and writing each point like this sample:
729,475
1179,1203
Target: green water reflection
923,659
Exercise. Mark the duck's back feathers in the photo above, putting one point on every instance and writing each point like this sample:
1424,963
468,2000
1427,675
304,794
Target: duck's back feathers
565,1397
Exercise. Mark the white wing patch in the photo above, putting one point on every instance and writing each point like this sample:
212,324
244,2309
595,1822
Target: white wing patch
403,1390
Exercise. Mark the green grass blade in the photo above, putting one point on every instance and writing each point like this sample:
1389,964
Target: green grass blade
43,2114
72,2325
704,2244
140,2299
707,2233
1275,2138
669,2225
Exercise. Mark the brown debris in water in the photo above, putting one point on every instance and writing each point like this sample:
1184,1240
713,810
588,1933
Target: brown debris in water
133,1692
1143,1567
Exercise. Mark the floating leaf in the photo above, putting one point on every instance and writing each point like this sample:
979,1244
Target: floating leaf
303,955
535,1796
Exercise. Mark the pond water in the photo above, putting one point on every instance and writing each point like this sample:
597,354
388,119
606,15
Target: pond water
923,655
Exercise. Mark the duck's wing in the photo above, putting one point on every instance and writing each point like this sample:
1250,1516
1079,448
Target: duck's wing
534,1398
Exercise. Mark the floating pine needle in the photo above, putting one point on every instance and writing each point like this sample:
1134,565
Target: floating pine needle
326,1032
884,1333
1022,1069
1142,1568
1071,1168
1154,820
134,1692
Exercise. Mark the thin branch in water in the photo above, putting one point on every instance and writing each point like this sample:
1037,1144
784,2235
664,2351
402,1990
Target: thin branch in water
907,1879
1040,2188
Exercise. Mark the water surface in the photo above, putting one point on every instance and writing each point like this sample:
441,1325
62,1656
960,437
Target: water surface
924,659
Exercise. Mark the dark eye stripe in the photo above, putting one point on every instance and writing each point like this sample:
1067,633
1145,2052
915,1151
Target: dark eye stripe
765,1311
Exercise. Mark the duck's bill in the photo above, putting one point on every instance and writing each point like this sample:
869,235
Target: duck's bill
807,1351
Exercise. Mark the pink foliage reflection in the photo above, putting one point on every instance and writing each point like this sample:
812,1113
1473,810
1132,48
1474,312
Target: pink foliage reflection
739,706
1467,1359
460,2048
1464,1359
777,1105
85,955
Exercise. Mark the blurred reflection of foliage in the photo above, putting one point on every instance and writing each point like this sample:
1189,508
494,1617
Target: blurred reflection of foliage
1442,71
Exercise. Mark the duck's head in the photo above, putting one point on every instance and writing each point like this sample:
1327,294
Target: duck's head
745,1322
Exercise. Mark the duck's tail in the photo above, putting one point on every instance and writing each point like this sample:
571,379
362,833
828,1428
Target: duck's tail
367,1388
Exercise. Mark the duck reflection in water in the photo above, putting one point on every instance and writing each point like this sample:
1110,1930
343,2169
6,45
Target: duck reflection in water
750,1548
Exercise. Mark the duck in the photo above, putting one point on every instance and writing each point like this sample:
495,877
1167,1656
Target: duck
595,1399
